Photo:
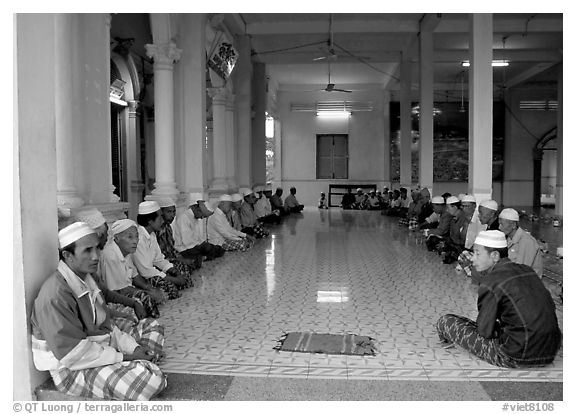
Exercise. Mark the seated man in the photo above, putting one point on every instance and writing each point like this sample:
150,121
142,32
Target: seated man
291,204
373,201
516,325
233,215
221,233
474,225
148,258
277,203
190,235
451,244
522,247
75,339
248,220
358,200
488,214
322,203
119,274
348,200
438,209
263,208
424,208
120,305
395,204
165,239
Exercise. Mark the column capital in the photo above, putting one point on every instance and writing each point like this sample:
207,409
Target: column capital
230,101
219,95
165,54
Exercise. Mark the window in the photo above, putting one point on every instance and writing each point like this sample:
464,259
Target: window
332,156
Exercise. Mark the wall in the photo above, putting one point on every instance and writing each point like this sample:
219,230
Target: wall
35,215
367,138
523,129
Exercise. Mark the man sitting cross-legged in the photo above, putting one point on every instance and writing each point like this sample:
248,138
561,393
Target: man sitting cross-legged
74,337
221,233
516,324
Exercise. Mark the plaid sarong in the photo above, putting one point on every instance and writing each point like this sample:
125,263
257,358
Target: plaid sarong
149,304
464,332
128,380
239,245
148,332
168,287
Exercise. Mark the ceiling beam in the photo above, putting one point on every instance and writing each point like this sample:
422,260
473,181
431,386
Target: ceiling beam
527,74
321,26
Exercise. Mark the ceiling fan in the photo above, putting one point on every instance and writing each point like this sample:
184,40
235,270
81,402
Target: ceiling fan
331,87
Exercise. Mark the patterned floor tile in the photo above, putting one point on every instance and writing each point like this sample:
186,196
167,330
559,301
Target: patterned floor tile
386,285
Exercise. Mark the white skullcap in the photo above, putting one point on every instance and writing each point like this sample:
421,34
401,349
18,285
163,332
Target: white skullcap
358,189
452,200
491,204
438,200
121,225
247,192
237,197
73,232
225,197
209,206
166,202
148,207
469,198
491,238
92,217
509,214
461,196
193,198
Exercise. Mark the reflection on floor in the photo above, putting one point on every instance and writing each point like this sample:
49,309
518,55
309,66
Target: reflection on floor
330,272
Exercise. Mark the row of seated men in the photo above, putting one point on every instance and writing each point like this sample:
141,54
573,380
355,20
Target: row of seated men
516,324
94,324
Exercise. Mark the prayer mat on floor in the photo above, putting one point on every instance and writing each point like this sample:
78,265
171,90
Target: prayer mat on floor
347,344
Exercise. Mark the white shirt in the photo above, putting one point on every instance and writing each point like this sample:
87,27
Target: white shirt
262,207
219,229
188,231
116,269
148,257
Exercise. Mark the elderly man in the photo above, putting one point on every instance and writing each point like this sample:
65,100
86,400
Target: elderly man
148,257
75,339
263,208
488,214
120,305
522,247
165,238
516,325
248,219
221,233
190,231
291,203
119,274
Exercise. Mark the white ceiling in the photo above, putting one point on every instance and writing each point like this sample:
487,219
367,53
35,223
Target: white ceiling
532,43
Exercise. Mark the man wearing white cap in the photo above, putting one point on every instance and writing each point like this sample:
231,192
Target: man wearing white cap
233,215
97,222
190,231
434,219
221,233
488,214
248,220
119,273
516,324
522,247
148,257
165,238
263,208
74,337
291,203
439,238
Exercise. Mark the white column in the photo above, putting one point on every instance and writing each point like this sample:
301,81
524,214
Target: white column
242,76
560,146
190,89
231,148
133,165
63,97
405,122
164,56
480,115
386,115
259,126
219,181
426,158
208,160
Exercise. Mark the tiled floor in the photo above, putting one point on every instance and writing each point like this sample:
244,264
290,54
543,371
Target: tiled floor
329,272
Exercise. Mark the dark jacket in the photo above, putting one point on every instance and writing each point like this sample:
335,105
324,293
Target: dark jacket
515,307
